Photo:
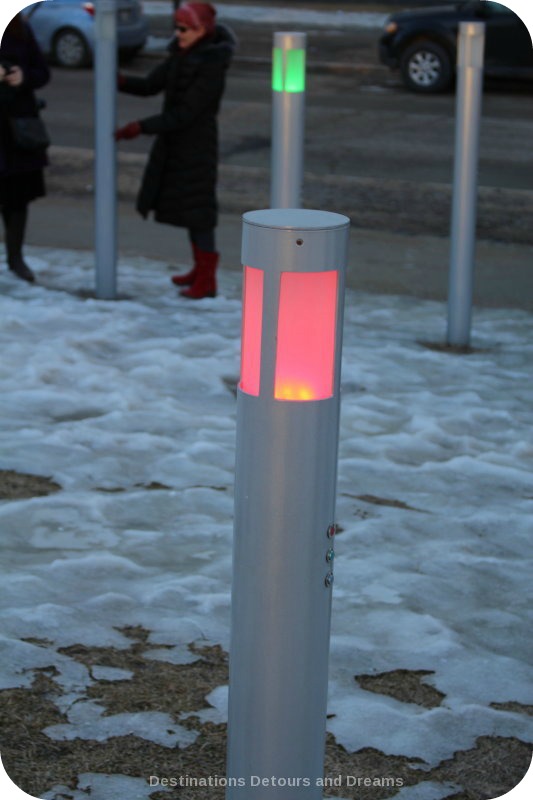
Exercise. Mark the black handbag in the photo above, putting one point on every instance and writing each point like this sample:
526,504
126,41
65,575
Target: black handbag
29,133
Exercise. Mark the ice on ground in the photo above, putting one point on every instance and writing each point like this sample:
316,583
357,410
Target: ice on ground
100,673
217,713
87,720
129,406
112,787
428,790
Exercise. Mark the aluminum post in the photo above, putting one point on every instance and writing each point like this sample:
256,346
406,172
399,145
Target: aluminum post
288,113
105,214
285,483
464,199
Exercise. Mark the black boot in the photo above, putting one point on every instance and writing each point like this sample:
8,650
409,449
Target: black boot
15,227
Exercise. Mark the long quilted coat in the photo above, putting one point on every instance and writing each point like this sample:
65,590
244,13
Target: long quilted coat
179,183
20,48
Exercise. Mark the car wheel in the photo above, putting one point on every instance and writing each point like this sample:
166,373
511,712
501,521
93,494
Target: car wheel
70,49
426,67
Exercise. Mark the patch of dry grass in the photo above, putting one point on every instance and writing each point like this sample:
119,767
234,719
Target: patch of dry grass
19,486
36,763
405,685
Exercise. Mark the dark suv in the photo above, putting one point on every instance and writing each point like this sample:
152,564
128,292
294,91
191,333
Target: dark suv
422,43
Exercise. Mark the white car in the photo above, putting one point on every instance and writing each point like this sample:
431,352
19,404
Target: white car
65,29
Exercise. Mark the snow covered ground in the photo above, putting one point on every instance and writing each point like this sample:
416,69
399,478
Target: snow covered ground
105,396
227,12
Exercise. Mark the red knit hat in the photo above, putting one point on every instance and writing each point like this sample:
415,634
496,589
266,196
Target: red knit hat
194,15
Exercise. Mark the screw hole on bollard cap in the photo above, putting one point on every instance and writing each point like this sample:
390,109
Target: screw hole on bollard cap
331,531
330,555
328,580
299,242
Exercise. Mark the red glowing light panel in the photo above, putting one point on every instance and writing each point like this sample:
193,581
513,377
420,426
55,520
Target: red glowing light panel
305,355
252,323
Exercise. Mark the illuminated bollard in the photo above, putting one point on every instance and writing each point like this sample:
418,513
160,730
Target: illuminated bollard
285,482
464,199
288,112
105,204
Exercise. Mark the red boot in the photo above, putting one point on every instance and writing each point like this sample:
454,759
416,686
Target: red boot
189,277
205,283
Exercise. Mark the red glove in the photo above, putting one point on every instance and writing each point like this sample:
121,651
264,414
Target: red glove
129,131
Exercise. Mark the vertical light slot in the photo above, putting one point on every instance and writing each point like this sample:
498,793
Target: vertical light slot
295,71
288,70
252,323
277,69
305,354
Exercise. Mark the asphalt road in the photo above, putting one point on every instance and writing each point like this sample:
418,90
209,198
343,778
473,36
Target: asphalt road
373,151
359,119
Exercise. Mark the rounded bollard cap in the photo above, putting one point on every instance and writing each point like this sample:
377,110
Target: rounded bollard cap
296,219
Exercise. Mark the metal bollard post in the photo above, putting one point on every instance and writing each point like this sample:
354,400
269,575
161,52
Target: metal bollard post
288,111
105,212
464,200
285,483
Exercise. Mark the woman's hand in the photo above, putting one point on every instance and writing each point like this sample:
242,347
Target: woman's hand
14,77
129,131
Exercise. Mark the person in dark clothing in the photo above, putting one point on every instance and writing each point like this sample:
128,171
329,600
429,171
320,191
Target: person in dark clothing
22,70
179,183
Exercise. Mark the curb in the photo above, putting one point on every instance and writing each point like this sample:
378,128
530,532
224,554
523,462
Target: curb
396,206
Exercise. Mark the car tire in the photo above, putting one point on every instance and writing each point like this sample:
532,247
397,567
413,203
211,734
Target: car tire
426,67
70,49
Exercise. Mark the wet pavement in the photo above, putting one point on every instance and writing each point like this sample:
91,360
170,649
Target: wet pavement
381,262
359,161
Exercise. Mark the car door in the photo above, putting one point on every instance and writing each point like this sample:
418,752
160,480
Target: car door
507,40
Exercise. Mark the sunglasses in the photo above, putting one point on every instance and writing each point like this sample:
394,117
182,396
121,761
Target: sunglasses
182,28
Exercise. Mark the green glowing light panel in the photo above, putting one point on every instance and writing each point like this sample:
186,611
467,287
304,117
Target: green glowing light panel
288,70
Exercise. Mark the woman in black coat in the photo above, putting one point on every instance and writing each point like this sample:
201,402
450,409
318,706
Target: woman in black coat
179,183
22,69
